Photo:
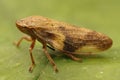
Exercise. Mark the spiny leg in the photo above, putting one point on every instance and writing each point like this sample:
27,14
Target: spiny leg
32,59
49,57
72,56
23,38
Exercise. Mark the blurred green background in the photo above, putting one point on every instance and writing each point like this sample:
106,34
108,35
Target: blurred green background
99,15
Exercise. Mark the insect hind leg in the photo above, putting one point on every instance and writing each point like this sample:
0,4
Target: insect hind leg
72,56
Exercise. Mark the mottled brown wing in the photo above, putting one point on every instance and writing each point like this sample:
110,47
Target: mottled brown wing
52,38
74,37
62,38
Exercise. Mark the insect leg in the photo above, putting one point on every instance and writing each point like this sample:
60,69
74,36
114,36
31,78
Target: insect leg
30,49
72,56
32,59
49,57
24,37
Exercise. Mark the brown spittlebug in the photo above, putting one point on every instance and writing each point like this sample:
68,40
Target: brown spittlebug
67,38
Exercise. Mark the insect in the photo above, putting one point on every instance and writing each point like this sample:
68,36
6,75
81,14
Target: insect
67,38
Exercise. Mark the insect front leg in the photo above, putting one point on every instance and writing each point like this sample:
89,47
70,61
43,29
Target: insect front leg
30,49
22,38
49,57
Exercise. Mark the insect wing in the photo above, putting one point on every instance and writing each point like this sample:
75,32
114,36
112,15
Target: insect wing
54,39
